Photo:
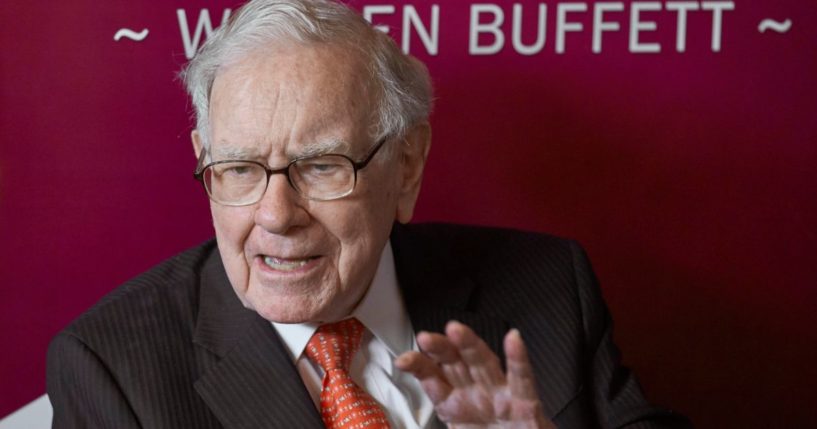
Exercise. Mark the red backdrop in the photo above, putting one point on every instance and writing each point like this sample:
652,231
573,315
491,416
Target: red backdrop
688,174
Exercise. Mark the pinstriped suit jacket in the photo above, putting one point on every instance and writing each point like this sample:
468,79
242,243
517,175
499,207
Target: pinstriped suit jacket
174,348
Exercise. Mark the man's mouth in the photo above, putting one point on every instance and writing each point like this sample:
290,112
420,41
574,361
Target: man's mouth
281,264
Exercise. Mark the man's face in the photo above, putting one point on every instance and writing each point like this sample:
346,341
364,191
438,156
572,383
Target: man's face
291,259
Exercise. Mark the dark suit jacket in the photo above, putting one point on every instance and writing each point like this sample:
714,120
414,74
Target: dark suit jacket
174,347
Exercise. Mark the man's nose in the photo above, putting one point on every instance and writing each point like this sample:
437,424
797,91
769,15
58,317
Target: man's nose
281,207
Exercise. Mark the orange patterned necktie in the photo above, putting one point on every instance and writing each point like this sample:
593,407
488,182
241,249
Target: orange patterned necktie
343,403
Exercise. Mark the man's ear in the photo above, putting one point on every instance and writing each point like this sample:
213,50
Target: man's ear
414,151
195,137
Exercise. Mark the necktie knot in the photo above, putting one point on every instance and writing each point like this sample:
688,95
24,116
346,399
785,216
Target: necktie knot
344,405
333,345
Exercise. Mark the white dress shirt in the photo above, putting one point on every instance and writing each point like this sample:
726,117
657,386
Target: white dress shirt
389,334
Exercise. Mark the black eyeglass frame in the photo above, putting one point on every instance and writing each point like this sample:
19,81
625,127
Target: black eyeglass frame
356,166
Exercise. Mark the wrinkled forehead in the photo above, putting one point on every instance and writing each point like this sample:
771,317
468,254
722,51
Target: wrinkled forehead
293,95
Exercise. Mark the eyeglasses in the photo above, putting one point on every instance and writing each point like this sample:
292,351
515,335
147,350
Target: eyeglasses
317,177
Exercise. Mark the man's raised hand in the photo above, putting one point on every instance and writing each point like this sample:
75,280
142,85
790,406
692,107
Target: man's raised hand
466,384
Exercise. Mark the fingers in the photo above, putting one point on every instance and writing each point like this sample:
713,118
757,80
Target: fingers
441,350
430,375
524,402
464,380
463,357
482,363
457,360
520,376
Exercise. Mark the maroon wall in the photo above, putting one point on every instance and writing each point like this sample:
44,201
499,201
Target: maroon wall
689,177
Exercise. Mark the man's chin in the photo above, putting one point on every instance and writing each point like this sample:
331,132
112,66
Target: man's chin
291,313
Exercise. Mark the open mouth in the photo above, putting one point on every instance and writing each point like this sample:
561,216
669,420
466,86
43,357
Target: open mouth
281,264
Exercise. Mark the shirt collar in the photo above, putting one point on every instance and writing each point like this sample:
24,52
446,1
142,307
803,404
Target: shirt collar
381,311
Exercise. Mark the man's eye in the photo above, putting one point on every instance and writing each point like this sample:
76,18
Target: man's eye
238,170
320,167
323,167
238,173
234,170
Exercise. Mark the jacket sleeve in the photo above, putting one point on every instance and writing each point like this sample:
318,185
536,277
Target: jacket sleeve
617,397
82,391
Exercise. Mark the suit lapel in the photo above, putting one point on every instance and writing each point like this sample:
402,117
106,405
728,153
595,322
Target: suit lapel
435,291
254,383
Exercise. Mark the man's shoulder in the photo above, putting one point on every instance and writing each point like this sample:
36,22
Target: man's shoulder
458,232
502,260
164,295
132,355
485,245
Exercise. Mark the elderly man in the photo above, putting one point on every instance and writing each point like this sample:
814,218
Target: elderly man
315,306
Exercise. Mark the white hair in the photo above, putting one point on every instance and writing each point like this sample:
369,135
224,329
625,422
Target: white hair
402,82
